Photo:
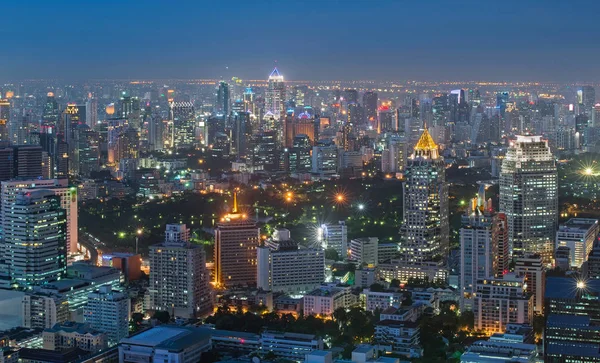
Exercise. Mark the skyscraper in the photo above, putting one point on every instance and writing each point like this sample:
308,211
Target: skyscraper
529,196
35,239
223,104
586,97
4,119
178,277
370,108
275,95
109,311
425,226
183,118
236,240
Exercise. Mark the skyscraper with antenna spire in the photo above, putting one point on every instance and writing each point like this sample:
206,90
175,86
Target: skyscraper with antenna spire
275,95
236,240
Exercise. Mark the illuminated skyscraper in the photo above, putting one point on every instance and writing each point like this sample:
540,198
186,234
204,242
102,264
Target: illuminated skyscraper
35,238
223,104
183,117
275,95
4,119
236,240
529,196
51,113
586,97
370,108
425,226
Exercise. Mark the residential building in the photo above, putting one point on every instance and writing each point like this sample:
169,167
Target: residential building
334,236
399,337
70,334
324,300
109,311
399,269
502,301
532,267
41,310
179,282
381,300
364,250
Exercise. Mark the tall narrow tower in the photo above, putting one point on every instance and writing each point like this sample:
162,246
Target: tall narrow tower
275,95
529,196
425,220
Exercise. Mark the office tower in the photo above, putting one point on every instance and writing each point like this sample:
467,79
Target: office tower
236,240
370,109
91,109
573,297
586,97
131,110
529,196
68,201
569,338
88,151
179,282
275,95
28,161
155,129
304,124
532,267
425,226
346,133
477,248
325,160
355,114
284,266
350,96
578,234
299,158
183,118
51,113
387,123
334,236
42,310
501,101
440,110
223,104
109,311
241,133
501,301
128,144
61,160
35,239
4,119
265,151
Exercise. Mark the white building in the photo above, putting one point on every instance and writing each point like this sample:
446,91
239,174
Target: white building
490,351
326,299
289,345
70,334
578,234
289,268
502,301
325,160
402,270
165,343
178,276
42,310
399,337
364,250
529,196
334,236
109,311
381,300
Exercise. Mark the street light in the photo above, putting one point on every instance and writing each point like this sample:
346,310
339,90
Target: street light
137,236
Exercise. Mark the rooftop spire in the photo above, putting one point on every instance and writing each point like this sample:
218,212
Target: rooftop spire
235,209
425,142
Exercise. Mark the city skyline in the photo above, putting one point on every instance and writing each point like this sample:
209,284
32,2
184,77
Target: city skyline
435,40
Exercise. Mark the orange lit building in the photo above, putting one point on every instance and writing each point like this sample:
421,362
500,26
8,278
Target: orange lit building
303,124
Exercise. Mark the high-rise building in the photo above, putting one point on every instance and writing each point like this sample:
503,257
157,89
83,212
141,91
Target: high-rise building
35,238
51,112
578,234
364,250
236,240
131,110
91,109
477,248
183,118
4,120
41,310
532,267
370,101
275,95
502,301
284,266
28,161
586,97
529,196
109,311
223,104
387,121
569,338
179,282
334,236
425,229
325,160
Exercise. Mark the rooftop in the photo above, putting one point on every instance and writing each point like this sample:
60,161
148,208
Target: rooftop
578,224
169,337
71,326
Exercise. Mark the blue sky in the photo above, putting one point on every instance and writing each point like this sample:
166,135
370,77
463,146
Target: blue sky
545,40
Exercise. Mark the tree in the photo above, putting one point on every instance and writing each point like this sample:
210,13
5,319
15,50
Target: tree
407,299
340,316
136,322
162,316
332,254
377,287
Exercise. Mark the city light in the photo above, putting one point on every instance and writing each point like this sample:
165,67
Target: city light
581,284
361,207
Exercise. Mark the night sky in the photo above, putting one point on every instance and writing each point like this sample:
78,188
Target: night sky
545,40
